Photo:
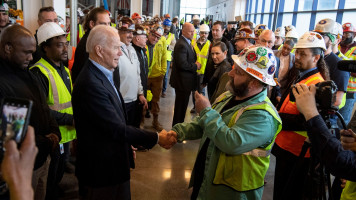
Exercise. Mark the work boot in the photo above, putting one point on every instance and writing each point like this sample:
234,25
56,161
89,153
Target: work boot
156,125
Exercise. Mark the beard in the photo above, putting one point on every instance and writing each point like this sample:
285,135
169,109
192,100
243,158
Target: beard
347,41
240,90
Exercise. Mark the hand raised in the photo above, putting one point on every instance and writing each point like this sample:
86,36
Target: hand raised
201,102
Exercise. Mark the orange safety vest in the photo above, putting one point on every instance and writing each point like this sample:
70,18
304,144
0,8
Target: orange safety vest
293,141
71,60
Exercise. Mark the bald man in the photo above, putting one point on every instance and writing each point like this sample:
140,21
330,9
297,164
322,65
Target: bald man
104,156
16,48
267,39
184,75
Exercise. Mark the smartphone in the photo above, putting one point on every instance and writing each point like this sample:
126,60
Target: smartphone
15,116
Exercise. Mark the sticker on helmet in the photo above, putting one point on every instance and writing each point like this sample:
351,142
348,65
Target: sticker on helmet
318,36
322,21
254,72
261,51
270,56
347,25
271,69
243,52
311,39
262,62
251,57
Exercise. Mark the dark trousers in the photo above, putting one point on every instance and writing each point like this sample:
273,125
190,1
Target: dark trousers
116,192
180,106
131,112
55,174
290,177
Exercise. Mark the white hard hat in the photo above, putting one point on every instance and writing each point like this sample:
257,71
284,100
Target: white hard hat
196,17
259,62
4,7
204,28
279,32
339,29
148,18
326,26
292,34
48,30
67,12
80,12
311,40
289,28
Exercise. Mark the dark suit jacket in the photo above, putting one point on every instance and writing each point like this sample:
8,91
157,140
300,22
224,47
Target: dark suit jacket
184,70
104,139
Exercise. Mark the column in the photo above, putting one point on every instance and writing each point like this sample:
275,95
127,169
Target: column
136,6
156,8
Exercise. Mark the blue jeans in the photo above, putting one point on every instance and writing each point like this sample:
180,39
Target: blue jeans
165,79
346,111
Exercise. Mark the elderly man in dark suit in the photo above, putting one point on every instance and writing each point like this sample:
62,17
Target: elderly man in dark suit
104,154
184,72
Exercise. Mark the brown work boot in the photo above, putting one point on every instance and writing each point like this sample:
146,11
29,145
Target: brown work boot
156,125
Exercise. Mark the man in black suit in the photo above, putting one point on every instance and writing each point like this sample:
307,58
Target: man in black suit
104,154
184,72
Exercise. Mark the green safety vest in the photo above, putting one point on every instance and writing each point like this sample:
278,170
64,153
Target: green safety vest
202,55
349,192
81,33
168,41
246,171
59,98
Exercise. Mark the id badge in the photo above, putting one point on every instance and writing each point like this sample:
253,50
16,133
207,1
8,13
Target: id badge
61,148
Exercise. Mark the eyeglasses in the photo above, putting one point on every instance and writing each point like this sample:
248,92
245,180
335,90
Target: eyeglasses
205,33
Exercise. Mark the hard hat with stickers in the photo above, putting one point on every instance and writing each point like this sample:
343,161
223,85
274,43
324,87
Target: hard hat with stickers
244,33
348,27
279,32
259,62
310,40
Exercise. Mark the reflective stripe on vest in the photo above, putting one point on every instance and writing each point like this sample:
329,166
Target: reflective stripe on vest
59,98
351,53
293,141
246,171
202,55
169,40
280,47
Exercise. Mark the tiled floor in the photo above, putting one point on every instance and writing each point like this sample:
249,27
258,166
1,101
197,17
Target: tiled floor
164,174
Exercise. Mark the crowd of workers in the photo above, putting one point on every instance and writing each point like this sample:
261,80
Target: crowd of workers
240,76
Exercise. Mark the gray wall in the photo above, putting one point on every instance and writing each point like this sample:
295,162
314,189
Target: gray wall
226,10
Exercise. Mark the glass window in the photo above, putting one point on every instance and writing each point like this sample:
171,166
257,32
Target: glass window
266,20
252,19
259,6
303,22
350,4
253,6
324,15
258,19
287,19
328,4
288,5
348,17
267,6
305,5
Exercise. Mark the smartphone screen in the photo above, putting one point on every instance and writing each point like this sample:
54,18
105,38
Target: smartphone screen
14,119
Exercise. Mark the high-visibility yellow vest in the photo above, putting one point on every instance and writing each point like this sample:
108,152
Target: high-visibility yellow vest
59,98
168,41
350,55
195,36
349,192
159,60
246,171
280,47
80,31
113,25
202,55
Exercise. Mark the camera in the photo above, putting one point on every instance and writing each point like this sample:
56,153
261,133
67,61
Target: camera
325,96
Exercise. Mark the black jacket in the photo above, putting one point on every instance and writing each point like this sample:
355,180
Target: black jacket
214,74
81,56
143,66
19,83
104,155
184,70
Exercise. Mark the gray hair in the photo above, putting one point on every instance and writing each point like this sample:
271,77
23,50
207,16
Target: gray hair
100,35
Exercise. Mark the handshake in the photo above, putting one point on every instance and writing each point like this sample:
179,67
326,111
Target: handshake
167,139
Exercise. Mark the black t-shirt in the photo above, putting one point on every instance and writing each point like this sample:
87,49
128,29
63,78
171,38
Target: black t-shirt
341,78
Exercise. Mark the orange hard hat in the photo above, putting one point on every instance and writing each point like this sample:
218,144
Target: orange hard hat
136,16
